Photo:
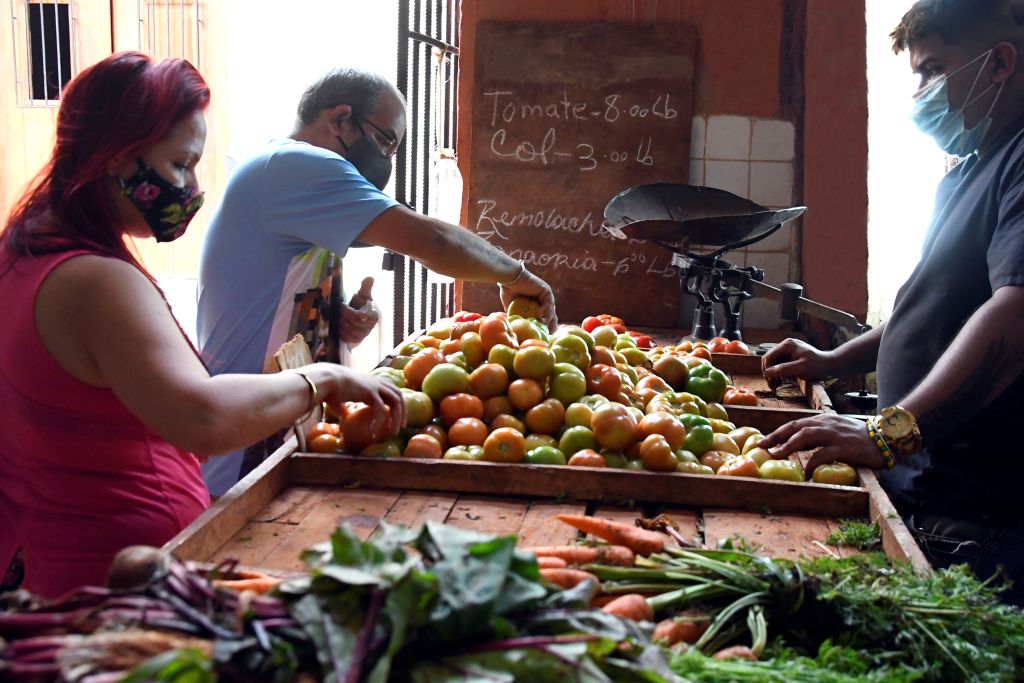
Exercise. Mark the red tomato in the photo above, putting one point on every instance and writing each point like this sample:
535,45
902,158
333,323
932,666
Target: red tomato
736,346
590,323
644,341
357,430
718,344
465,317
739,397
604,380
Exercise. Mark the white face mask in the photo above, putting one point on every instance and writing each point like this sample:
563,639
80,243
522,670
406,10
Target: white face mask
932,114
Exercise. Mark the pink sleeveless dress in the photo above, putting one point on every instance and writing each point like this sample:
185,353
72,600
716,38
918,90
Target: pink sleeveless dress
80,476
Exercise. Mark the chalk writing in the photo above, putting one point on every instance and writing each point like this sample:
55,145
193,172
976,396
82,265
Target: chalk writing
493,222
505,106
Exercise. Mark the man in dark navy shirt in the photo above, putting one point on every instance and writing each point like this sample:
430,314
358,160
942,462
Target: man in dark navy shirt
951,355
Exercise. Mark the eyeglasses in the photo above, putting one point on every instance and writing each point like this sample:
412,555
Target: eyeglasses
390,144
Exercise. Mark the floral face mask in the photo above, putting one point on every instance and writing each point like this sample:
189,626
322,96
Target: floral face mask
167,208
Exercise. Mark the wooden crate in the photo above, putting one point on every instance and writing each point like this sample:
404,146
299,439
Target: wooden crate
294,499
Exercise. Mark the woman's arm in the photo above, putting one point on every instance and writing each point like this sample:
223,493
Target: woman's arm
106,324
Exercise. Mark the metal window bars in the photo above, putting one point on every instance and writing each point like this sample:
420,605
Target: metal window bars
43,36
428,62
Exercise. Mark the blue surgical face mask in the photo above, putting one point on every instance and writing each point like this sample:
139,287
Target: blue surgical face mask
932,114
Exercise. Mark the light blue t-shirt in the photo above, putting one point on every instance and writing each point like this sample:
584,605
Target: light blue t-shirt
285,211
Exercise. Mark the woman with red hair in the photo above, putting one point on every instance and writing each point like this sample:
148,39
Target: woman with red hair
104,400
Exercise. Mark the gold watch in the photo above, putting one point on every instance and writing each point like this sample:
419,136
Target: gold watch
899,429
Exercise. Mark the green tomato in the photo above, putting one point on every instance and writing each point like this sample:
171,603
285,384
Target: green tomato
545,455
684,455
409,349
393,375
458,359
707,382
717,411
691,420
699,439
399,362
687,467
837,473
577,331
576,439
783,470
594,401
568,384
504,356
614,459
635,465
578,415
537,440
464,453
573,350
386,449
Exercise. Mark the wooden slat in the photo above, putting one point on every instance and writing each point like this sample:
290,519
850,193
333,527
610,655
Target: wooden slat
897,541
254,543
540,528
361,510
735,363
596,484
488,515
212,529
787,536
412,508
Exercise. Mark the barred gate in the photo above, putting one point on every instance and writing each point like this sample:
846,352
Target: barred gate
428,63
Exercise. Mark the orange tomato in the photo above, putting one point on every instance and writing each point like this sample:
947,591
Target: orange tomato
450,346
490,379
614,426
665,424
546,417
604,379
525,306
525,393
718,344
701,352
473,348
419,365
504,445
736,346
357,428
494,330
432,342
600,355
423,446
438,433
467,431
587,458
534,362
534,342
505,421
324,443
739,397
657,455
739,466
495,406
455,406
319,428
714,459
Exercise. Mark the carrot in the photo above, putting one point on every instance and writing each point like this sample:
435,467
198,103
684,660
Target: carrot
736,652
259,585
567,578
640,541
632,606
545,562
688,627
583,554
600,601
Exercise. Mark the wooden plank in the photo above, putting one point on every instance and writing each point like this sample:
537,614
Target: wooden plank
212,529
291,506
488,515
362,510
596,484
817,397
737,363
413,509
540,528
254,543
786,536
766,419
897,541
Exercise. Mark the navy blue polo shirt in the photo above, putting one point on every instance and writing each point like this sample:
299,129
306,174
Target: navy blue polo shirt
974,246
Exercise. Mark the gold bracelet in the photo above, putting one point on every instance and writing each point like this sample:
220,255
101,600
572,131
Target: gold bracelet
313,395
522,269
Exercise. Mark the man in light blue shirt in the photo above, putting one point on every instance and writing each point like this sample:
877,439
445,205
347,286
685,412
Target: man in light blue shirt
289,209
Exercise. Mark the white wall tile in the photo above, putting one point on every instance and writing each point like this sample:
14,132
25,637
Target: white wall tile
697,138
776,265
780,240
732,176
773,141
696,172
728,137
771,183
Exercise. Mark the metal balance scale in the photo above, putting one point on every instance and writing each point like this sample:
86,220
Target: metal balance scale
699,225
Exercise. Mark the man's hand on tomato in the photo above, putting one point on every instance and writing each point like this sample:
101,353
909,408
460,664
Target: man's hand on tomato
528,284
794,359
840,439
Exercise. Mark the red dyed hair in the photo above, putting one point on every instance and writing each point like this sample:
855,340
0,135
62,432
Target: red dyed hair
116,108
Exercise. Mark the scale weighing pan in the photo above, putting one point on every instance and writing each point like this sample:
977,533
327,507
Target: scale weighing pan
690,214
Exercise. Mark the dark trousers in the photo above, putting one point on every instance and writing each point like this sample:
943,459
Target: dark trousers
985,548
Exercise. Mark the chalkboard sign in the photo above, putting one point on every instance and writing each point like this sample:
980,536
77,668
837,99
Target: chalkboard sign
565,116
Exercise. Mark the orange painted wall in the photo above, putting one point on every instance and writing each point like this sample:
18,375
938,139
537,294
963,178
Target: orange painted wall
741,70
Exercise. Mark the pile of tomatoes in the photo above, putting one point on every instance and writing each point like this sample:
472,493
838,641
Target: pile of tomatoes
499,388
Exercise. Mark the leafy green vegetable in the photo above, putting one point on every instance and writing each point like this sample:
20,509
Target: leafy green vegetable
856,534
